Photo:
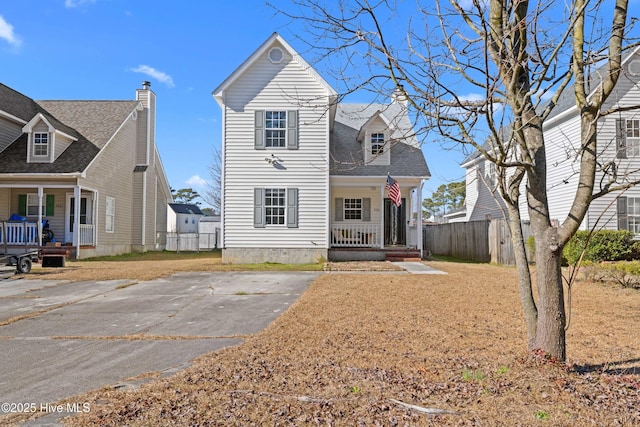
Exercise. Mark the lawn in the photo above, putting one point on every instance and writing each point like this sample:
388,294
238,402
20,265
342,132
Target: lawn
355,348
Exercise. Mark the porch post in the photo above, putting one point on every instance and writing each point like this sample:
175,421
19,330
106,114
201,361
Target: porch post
39,224
76,220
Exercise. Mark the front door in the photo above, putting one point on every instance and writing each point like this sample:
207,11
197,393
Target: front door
85,212
395,230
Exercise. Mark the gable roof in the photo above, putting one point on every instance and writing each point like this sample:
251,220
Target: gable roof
90,123
567,103
347,156
218,92
185,208
95,120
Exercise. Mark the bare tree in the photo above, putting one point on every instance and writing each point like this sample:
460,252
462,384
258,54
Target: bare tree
213,195
520,59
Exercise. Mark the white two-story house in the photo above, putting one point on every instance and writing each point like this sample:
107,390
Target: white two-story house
304,177
618,159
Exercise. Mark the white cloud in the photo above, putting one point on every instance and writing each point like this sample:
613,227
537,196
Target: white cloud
6,33
196,181
77,3
153,73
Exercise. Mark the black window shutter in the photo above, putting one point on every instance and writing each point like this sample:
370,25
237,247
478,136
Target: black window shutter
22,204
623,224
621,139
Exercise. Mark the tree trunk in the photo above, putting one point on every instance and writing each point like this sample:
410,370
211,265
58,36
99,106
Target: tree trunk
525,288
550,331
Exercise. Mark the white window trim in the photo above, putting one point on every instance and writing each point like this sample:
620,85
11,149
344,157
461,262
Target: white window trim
382,146
283,207
280,129
46,145
345,208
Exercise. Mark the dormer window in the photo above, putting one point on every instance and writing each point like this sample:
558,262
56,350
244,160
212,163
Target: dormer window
377,143
40,144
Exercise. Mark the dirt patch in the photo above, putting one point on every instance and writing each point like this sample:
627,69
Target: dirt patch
353,346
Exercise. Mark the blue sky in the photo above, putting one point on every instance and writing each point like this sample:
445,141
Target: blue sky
104,49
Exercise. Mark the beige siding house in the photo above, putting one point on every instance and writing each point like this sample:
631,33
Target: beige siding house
304,177
89,168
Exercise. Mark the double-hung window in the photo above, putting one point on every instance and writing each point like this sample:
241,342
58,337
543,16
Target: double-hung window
32,205
353,209
633,137
377,143
633,214
40,144
275,207
275,128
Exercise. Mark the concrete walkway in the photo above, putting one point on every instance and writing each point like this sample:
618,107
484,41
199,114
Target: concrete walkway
415,267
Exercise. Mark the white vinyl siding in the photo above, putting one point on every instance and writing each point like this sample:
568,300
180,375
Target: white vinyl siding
275,87
481,202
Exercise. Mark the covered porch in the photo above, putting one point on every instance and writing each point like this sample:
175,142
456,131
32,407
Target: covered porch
366,225
44,215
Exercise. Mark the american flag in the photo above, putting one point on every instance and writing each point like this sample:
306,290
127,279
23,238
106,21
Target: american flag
394,191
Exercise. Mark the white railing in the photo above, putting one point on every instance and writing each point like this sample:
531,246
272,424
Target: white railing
19,233
86,235
355,235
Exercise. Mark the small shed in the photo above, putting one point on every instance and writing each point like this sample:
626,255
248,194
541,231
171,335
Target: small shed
183,218
210,229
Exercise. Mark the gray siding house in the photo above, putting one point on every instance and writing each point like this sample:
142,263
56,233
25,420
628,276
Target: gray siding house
303,176
89,168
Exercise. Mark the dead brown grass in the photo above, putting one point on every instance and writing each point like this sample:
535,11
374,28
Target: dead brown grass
354,343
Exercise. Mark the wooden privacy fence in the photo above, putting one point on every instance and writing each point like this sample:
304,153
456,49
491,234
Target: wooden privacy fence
480,241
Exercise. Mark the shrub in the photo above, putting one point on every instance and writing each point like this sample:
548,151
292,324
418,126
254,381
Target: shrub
625,273
604,245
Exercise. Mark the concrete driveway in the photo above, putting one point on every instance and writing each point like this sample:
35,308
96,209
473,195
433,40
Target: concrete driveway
60,339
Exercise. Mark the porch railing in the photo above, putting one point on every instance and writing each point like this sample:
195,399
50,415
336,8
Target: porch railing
86,235
19,233
355,235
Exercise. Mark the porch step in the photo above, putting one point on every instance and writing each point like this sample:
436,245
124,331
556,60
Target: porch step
403,255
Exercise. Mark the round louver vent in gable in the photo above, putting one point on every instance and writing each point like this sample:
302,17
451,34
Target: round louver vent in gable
634,67
276,55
